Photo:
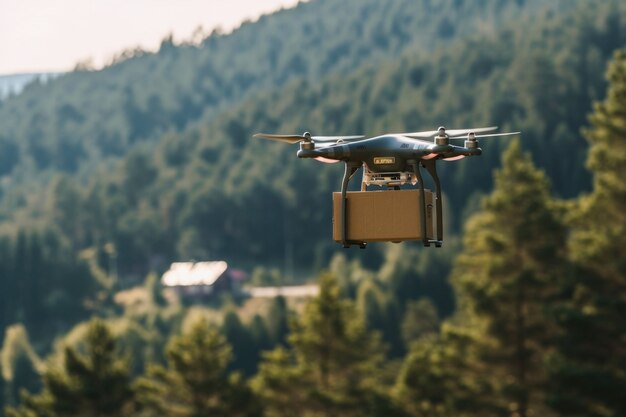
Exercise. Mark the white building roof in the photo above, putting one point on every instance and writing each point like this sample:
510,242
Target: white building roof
183,274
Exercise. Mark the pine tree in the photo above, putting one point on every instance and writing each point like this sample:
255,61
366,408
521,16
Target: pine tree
7,285
4,390
507,275
20,364
278,317
260,335
331,369
239,338
196,382
589,376
380,314
96,383
260,339
442,376
369,300
420,319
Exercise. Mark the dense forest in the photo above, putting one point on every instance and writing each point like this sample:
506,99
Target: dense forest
108,176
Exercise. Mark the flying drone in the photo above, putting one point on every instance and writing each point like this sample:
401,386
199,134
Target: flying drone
391,160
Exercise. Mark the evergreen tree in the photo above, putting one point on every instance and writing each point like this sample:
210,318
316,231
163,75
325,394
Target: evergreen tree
21,275
381,314
239,338
95,383
589,376
8,285
420,319
331,369
20,364
260,340
3,389
259,333
507,275
368,302
442,377
278,320
196,382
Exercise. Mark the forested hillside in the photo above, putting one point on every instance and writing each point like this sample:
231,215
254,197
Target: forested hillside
188,179
108,176
88,115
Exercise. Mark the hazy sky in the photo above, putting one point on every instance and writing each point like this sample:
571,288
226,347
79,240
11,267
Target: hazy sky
53,35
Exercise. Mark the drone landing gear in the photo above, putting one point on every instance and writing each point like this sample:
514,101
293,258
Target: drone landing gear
420,181
350,169
362,245
432,170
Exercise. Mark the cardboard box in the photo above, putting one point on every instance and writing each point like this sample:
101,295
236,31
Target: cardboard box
382,216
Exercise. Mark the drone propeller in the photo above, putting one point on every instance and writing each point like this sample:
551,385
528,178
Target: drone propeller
451,132
471,135
282,138
306,137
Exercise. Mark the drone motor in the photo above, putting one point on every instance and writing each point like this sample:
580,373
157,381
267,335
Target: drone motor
471,142
442,138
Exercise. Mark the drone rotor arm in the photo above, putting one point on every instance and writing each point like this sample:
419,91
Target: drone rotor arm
337,138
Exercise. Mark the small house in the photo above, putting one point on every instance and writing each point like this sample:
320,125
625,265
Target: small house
203,279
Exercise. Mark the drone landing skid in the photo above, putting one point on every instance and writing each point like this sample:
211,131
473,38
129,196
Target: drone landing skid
438,243
350,169
349,243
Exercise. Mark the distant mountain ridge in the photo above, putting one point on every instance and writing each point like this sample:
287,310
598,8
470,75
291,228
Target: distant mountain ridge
13,84
148,94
